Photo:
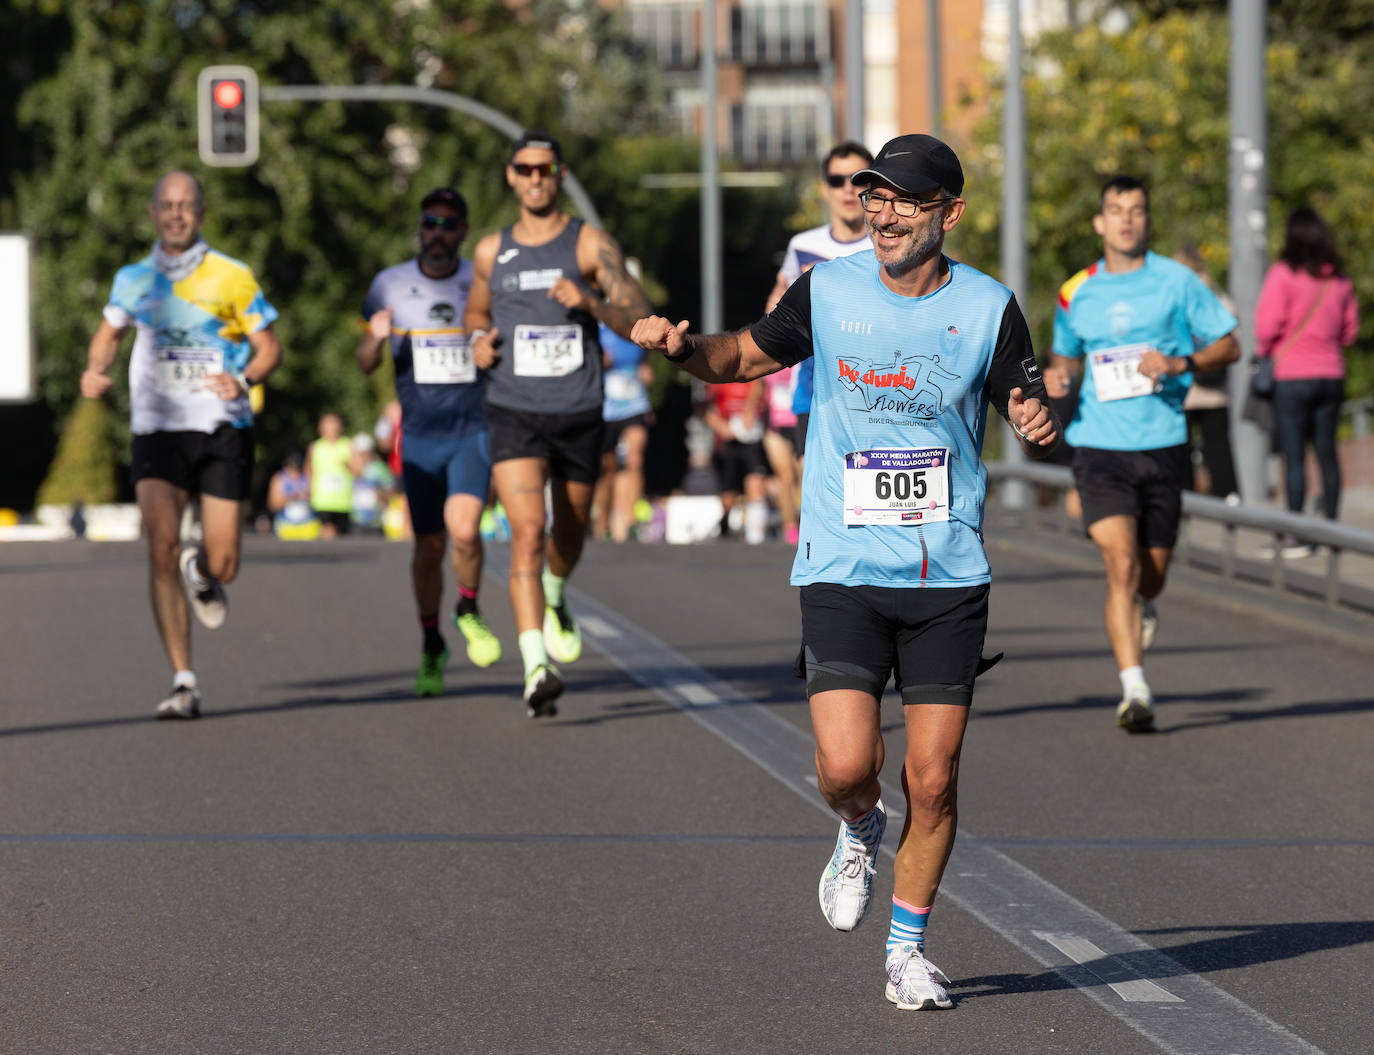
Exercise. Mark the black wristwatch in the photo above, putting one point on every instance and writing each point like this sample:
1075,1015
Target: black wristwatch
1190,365
688,350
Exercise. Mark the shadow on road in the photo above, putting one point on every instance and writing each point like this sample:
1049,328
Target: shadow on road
1241,946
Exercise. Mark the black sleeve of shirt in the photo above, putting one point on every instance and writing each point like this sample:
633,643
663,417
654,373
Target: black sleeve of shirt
784,333
1013,362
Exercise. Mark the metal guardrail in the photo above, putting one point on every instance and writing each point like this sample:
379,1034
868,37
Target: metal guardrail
1334,538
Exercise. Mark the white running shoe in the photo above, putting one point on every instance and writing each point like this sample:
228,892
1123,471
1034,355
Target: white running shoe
542,689
1149,624
846,889
913,982
183,703
1136,713
209,602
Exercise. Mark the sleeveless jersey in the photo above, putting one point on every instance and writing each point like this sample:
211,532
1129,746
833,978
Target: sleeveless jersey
1108,317
439,386
185,331
893,485
331,480
550,360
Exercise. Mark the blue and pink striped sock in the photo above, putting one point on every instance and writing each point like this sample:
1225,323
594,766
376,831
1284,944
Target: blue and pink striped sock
908,925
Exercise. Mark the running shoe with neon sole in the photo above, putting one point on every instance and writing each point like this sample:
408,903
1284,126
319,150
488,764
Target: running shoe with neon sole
542,689
1136,713
209,603
1149,624
913,982
484,648
846,889
429,680
183,703
562,638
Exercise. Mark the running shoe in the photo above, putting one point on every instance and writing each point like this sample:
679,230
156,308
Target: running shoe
183,703
1287,547
484,648
913,982
846,889
542,689
429,681
562,638
1136,713
209,602
1149,624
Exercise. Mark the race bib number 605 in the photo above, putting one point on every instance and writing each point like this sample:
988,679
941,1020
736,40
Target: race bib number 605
900,486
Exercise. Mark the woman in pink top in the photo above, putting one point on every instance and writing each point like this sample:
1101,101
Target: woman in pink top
1305,317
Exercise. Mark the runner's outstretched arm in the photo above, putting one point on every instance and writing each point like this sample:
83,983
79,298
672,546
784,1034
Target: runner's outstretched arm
716,358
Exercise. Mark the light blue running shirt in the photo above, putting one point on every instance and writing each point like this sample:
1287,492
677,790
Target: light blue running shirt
1102,316
893,484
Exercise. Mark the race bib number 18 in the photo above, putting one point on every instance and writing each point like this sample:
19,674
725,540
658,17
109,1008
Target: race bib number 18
1116,373
902,486
182,371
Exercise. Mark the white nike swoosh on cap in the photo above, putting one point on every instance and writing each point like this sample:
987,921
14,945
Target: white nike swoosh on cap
896,154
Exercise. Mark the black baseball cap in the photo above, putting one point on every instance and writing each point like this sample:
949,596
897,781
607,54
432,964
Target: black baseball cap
446,196
915,163
537,139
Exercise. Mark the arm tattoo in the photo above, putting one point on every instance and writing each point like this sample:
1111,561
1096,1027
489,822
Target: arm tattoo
623,301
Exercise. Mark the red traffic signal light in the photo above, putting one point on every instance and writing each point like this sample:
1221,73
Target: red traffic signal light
227,112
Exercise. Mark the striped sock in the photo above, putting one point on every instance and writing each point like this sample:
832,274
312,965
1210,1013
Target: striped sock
908,925
865,830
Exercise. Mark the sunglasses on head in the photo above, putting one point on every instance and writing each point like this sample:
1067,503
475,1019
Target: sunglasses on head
836,181
548,169
443,223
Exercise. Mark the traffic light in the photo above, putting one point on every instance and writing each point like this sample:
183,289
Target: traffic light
227,109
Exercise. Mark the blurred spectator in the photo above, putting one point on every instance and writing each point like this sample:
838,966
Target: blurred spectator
288,500
331,482
396,519
1207,404
1305,317
628,415
736,415
778,440
373,484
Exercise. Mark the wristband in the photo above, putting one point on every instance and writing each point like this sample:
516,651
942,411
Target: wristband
689,350
474,335
242,379
1191,365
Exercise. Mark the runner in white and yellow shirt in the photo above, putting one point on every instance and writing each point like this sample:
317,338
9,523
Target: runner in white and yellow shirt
203,339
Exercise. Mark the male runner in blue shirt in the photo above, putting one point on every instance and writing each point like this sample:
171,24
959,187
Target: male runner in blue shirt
910,348
1136,318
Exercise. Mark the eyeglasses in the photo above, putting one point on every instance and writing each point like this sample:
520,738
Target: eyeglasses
548,169
443,223
901,206
836,181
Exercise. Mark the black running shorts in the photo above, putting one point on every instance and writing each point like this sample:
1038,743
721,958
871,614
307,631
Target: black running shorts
735,461
218,463
1146,485
570,443
929,640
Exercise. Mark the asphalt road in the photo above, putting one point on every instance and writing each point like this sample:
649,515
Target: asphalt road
324,864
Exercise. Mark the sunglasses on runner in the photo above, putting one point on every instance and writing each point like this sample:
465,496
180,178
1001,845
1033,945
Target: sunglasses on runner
548,169
836,181
443,223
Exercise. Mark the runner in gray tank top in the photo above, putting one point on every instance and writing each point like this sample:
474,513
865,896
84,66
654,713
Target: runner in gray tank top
539,289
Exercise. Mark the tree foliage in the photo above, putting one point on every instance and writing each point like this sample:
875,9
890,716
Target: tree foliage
110,104
1151,100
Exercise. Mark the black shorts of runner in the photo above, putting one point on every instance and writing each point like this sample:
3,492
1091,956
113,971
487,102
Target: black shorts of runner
610,440
799,433
1147,485
218,463
929,641
735,461
341,522
570,443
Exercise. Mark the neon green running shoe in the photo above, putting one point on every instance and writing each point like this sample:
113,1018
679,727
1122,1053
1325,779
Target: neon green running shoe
562,638
430,679
484,648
